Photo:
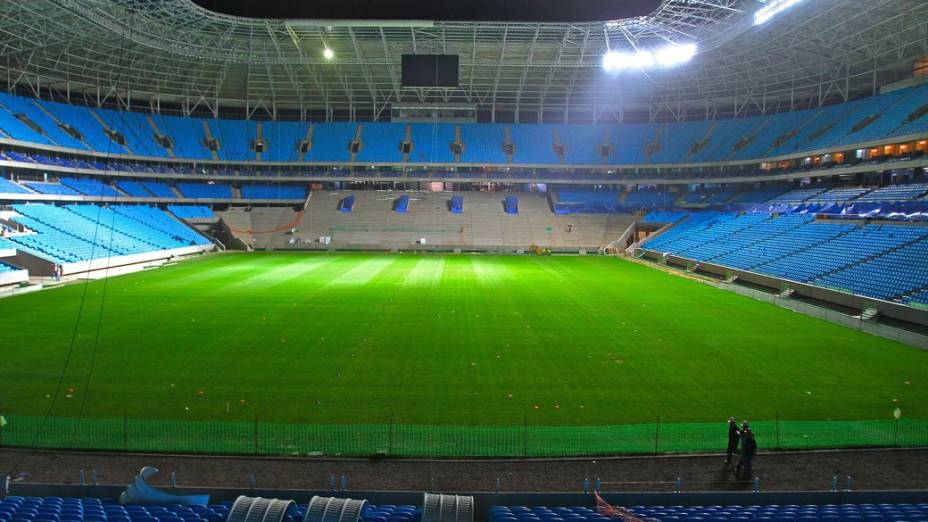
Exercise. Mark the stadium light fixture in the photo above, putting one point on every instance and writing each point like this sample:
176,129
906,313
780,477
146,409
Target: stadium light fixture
771,9
328,53
675,54
668,56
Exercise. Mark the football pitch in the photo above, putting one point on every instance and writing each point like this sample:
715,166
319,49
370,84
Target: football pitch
439,340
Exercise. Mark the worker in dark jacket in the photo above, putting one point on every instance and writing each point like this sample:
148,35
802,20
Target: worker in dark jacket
748,450
733,437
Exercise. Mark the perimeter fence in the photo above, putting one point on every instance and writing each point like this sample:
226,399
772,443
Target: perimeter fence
402,440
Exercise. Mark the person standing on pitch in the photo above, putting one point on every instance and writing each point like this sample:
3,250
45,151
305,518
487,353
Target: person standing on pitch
748,450
733,437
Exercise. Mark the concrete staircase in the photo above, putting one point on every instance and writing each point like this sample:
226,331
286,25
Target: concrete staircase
483,225
124,146
157,131
209,136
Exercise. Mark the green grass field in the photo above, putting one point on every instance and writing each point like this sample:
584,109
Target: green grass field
438,340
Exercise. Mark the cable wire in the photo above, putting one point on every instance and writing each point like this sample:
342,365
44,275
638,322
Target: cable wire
69,355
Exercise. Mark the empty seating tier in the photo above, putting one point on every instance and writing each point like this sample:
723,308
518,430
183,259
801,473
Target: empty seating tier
664,216
759,195
133,188
153,135
159,189
840,195
903,192
884,261
75,233
205,190
4,267
55,509
9,187
787,512
798,195
892,275
278,191
572,200
56,189
191,211
648,198
90,187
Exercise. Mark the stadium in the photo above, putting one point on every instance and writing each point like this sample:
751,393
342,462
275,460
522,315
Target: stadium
408,261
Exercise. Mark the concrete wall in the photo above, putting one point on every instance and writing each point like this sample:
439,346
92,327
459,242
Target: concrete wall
43,268
134,259
13,278
36,266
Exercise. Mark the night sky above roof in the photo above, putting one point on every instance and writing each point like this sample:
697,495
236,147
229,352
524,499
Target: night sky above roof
439,10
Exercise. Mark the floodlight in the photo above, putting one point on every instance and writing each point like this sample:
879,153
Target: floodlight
613,61
773,8
675,54
641,60
328,53
665,57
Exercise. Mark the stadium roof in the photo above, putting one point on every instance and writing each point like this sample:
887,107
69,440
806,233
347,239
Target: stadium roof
470,10
174,51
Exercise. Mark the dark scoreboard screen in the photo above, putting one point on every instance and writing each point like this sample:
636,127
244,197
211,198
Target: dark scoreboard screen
430,70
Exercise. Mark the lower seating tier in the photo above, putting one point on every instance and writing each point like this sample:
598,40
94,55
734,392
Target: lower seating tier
58,509
788,512
5,267
75,233
883,261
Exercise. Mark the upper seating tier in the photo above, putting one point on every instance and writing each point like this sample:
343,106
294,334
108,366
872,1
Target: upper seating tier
192,211
9,187
113,132
56,189
277,191
205,190
90,187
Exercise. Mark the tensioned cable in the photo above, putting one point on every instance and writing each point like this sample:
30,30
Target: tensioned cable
85,391
46,417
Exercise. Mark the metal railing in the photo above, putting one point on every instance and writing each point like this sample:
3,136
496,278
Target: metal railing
404,440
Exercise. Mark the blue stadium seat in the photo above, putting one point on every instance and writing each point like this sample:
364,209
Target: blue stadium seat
90,187
276,191
191,211
9,187
884,261
346,204
511,205
731,513
895,113
566,200
74,233
51,188
159,189
401,204
196,190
